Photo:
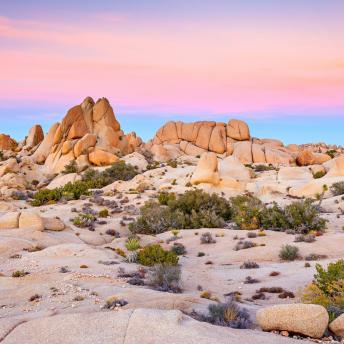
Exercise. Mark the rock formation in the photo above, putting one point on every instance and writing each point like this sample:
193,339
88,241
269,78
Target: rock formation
178,138
88,133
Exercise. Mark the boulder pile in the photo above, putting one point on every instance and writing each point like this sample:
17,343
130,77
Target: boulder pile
226,139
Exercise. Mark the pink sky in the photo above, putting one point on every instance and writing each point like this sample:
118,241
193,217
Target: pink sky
187,66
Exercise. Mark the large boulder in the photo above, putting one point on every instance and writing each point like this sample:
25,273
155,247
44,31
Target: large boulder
31,220
53,224
238,130
276,156
337,169
7,143
82,146
100,157
9,220
337,326
232,167
137,160
305,158
294,173
9,166
243,152
309,320
206,170
35,136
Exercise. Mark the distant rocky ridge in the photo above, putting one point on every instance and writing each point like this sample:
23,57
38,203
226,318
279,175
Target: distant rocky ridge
178,138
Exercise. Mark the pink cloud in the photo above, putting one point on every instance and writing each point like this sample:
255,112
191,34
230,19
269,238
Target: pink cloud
194,68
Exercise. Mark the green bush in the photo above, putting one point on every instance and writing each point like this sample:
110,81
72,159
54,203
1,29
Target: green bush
246,211
165,278
337,189
289,252
332,153
165,197
193,209
324,278
303,217
71,167
46,196
103,213
273,218
132,244
319,174
155,254
84,220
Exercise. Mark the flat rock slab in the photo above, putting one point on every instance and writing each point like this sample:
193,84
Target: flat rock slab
144,326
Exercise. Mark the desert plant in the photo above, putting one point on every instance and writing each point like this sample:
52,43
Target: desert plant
84,220
114,302
132,244
103,213
70,168
165,278
155,254
165,197
246,211
207,238
337,189
228,314
249,265
319,174
178,249
289,252
243,245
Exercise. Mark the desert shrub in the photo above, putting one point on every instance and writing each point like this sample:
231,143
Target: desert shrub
155,254
155,219
289,252
165,197
193,209
19,195
207,238
197,201
315,256
165,278
45,196
103,213
132,244
1,155
243,245
251,280
305,238
273,218
332,153
249,265
228,314
251,235
70,168
172,163
303,217
118,171
246,211
84,220
318,174
178,249
324,278
262,168
114,302
19,273
337,189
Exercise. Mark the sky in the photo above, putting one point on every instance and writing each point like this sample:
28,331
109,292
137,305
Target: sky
279,65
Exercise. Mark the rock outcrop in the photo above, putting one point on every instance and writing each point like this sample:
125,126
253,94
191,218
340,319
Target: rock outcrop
7,143
145,326
89,132
178,138
337,326
306,319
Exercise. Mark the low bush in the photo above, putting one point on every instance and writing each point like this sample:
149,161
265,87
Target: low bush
70,168
243,245
178,249
165,278
337,189
228,314
155,254
132,244
207,238
103,213
249,265
319,174
193,209
327,289
246,212
84,220
289,252
305,238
